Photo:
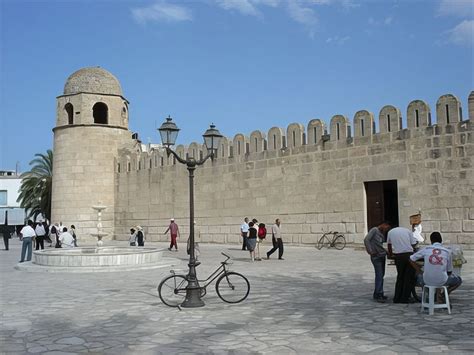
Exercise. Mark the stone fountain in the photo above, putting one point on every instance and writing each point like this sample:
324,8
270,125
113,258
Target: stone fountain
97,258
100,234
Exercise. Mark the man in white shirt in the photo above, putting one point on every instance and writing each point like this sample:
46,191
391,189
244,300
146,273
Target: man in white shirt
438,265
276,234
27,234
40,234
244,231
400,242
66,239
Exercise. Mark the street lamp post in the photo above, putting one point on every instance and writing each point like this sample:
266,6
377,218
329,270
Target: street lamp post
169,134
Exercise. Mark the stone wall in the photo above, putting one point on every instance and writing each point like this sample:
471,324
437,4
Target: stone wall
311,180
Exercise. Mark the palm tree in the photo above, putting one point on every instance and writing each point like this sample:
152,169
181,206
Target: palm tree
36,186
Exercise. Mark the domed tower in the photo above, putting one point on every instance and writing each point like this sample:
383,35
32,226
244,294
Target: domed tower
91,125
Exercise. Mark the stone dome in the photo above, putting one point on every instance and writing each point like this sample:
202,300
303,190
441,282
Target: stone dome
92,80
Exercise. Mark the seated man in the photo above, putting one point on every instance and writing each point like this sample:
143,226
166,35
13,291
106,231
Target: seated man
438,265
66,239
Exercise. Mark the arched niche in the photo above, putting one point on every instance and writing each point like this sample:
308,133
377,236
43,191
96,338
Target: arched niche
257,142
448,110
390,119
195,151
224,148
240,145
339,128
364,124
295,135
276,139
418,114
315,131
100,112
69,113
470,103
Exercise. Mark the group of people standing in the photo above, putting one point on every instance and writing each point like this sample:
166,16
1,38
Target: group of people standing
36,234
403,248
137,237
254,233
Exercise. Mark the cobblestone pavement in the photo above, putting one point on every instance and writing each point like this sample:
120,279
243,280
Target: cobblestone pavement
311,302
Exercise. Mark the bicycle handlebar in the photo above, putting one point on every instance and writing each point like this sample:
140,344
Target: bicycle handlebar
227,256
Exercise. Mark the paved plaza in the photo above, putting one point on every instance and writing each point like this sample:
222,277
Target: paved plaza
311,302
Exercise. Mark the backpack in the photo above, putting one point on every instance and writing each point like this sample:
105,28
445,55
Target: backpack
262,231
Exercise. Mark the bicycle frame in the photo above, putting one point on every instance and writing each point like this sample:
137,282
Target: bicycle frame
218,272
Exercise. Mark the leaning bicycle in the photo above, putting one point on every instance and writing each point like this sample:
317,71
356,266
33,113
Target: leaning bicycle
331,240
231,287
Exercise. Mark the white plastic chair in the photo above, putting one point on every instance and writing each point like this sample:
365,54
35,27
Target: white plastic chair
431,299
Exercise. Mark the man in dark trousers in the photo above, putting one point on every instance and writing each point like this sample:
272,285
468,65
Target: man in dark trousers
374,245
400,242
276,234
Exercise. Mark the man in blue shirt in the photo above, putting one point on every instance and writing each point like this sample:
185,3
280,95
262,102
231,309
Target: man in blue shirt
244,230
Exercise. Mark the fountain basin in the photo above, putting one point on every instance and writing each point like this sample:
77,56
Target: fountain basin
97,257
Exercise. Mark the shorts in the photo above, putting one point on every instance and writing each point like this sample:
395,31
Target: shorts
453,280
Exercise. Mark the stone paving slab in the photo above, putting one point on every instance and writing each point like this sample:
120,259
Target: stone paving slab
311,302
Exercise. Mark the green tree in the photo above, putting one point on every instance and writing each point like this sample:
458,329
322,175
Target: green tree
36,186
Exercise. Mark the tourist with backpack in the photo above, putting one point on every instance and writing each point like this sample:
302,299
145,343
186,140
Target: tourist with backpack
261,234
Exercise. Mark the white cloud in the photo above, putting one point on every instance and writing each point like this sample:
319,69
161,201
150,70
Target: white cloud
461,8
387,21
462,34
245,7
302,14
161,12
338,40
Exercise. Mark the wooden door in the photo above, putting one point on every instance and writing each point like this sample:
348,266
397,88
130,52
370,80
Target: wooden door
375,203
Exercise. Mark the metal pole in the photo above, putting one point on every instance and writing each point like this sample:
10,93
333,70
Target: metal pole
193,291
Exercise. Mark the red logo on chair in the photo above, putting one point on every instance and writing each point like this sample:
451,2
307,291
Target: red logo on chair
436,259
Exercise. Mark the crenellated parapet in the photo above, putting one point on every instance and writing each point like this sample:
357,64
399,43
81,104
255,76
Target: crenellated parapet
315,135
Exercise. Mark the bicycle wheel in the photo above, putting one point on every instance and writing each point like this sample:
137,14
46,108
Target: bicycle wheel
232,287
339,242
323,241
172,290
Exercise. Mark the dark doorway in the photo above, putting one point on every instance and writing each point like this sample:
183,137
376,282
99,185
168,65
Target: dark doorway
382,202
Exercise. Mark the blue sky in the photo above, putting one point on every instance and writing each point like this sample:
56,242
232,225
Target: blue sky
242,64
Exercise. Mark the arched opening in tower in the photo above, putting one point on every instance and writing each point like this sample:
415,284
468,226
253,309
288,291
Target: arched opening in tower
70,113
100,113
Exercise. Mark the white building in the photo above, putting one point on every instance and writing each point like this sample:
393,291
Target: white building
10,183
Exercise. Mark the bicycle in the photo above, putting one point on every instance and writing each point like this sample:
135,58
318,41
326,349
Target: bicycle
337,241
231,287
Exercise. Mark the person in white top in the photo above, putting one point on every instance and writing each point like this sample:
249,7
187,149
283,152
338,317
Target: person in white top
244,230
417,229
27,234
438,265
66,239
40,234
400,242
278,241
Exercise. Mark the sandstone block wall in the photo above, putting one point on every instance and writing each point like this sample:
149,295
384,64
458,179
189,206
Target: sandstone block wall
313,182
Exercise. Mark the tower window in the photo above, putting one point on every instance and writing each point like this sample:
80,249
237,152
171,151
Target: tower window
417,119
294,139
388,124
362,130
315,132
447,114
100,113
70,113
274,142
256,144
338,135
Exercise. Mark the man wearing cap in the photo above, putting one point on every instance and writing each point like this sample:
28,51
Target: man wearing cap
174,231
